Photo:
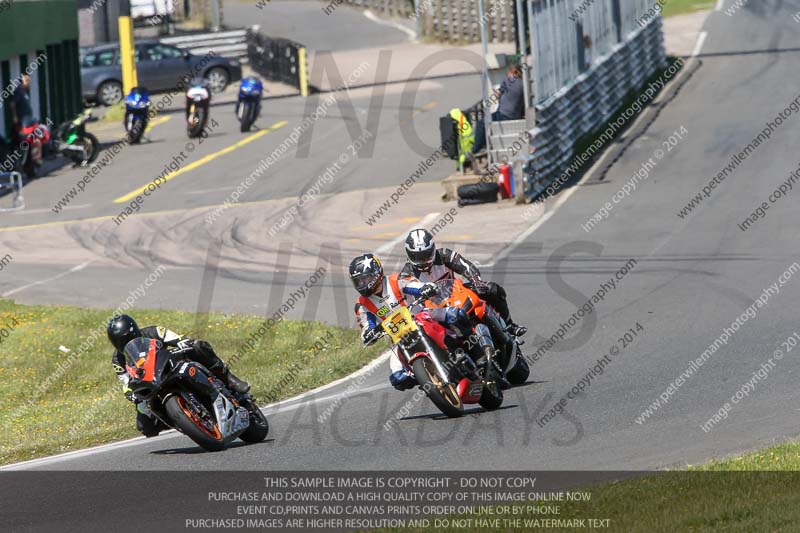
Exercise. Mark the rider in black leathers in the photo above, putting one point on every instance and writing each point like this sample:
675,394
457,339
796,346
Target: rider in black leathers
430,264
122,329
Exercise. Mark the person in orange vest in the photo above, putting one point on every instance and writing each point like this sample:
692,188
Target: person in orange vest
380,295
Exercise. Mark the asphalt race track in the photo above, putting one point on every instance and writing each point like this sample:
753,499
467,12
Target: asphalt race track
691,277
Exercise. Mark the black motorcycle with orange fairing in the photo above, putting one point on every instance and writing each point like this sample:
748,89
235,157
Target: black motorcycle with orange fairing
184,395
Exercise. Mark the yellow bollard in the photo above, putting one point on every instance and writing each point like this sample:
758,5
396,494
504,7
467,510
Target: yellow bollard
302,71
126,54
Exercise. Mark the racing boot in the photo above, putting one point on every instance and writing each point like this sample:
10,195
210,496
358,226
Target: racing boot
493,371
515,329
225,375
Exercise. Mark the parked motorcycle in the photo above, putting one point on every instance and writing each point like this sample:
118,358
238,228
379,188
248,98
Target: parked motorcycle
33,137
73,141
248,106
449,376
184,395
198,103
137,107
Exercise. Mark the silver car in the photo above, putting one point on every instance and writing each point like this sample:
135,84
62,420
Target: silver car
159,66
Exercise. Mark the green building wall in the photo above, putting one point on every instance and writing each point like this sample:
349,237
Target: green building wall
48,27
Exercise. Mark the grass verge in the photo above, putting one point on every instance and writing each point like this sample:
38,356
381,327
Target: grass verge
681,7
77,399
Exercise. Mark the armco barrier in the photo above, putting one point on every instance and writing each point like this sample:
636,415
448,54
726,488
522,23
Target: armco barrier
278,59
587,102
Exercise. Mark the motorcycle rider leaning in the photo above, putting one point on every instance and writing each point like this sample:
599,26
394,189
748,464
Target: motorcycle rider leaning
430,264
381,295
122,329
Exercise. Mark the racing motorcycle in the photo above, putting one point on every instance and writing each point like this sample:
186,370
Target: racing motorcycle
33,137
449,375
198,101
184,395
137,107
73,141
248,105
510,357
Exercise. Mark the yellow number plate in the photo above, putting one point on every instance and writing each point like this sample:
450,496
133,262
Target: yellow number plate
399,324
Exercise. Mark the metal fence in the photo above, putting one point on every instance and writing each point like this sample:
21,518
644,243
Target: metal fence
277,59
455,21
587,56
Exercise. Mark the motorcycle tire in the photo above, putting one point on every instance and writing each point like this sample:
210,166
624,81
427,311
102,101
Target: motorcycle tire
444,397
521,371
247,117
198,124
181,415
136,131
91,148
492,394
258,429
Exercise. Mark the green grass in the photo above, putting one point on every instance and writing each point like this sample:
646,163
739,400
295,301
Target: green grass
84,406
681,7
114,113
758,491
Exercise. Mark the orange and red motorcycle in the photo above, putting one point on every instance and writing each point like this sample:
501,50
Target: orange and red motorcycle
449,375
508,355
184,395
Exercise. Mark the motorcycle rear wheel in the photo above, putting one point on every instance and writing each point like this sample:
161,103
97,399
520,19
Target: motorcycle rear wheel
521,371
187,420
444,396
91,146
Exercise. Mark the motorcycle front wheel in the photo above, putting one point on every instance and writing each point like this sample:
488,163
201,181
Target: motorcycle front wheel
246,116
197,122
258,428
196,425
443,395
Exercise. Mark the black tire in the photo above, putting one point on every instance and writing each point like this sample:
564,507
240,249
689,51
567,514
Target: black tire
182,420
136,131
519,374
199,124
444,397
491,397
479,191
247,117
91,149
109,93
258,429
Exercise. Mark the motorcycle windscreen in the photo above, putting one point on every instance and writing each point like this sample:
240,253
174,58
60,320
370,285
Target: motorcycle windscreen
140,358
444,291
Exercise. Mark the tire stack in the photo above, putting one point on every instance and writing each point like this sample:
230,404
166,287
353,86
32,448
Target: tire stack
477,193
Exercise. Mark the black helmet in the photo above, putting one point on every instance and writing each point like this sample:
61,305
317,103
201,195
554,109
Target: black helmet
421,249
121,330
366,273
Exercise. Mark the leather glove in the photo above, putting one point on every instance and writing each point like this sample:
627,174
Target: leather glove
371,336
428,290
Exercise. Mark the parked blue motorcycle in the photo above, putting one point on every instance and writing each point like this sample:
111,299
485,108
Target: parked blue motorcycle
137,107
248,106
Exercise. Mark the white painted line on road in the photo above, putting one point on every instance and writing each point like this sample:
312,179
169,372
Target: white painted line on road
289,404
701,39
371,16
386,248
47,280
49,209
